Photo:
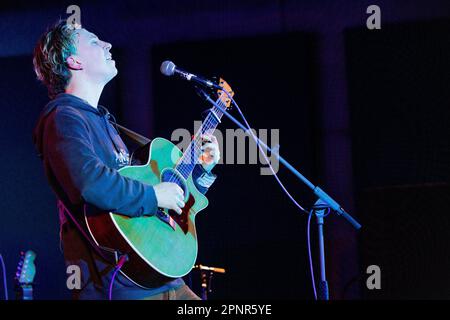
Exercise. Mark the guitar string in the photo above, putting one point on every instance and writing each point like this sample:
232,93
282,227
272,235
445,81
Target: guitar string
196,144
211,120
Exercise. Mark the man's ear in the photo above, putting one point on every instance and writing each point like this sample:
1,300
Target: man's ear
73,63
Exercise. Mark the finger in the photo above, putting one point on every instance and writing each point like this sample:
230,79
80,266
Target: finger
180,203
176,208
211,153
209,145
206,138
179,190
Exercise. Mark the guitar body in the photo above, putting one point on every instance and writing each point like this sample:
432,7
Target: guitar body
158,249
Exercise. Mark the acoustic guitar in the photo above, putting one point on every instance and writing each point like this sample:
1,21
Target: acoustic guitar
164,246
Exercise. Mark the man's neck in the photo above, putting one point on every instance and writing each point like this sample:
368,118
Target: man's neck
90,92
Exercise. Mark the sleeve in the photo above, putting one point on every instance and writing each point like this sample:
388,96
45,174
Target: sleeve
202,178
82,174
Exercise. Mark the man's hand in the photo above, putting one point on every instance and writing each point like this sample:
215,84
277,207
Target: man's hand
211,152
170,196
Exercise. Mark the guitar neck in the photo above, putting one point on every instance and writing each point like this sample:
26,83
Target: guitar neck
192,154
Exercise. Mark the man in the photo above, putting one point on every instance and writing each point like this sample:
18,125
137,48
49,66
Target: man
82,151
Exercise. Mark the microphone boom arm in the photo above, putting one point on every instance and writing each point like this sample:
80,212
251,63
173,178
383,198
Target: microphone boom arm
316,189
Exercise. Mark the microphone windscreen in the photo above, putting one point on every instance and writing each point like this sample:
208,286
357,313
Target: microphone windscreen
167,68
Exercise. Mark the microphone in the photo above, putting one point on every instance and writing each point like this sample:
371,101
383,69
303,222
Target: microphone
168,68
213,269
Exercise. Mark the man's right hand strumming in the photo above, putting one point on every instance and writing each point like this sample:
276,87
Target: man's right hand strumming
170,196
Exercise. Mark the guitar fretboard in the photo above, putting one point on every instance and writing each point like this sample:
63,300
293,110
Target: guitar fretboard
192,154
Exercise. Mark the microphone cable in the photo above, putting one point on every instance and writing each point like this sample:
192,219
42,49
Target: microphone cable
310,213
263,153
120,263
311,266
4,277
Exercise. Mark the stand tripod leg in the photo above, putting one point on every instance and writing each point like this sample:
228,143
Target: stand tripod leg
205,288
323,285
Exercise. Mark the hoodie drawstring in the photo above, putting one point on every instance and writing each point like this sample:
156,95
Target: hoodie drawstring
105,121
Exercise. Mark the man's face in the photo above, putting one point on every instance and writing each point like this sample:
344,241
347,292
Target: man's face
93,57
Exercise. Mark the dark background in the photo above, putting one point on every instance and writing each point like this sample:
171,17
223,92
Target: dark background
400,129
363,113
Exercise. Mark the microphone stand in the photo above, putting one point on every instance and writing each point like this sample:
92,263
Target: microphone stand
324,201
206,275
319,209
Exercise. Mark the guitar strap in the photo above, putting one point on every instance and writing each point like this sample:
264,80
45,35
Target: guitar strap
108,254
134,136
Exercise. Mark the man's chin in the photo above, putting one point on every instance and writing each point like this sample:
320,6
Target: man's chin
112,75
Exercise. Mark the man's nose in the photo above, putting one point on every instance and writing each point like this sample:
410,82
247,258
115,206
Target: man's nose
107,46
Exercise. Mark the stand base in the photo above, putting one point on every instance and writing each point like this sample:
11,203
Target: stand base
322,293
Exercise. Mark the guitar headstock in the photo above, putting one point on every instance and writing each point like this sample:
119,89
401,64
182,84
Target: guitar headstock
222,95
26,270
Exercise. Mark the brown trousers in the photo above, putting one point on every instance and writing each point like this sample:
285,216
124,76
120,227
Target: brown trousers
181,293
